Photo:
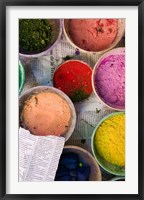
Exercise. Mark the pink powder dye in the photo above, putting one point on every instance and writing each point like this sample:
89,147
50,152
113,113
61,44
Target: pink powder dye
93,34
110,80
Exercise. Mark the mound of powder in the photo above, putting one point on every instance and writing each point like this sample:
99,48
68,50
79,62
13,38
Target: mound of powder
110,139
46,113
110,80
74,78
93,34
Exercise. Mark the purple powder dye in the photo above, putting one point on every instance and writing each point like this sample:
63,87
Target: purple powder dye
110,80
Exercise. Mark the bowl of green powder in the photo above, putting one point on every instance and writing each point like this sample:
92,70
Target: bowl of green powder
108,143
37,37
21,77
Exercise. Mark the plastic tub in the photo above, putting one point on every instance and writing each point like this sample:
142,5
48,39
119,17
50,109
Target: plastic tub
21,77
120,33
118,178
111,105
110,168
86,157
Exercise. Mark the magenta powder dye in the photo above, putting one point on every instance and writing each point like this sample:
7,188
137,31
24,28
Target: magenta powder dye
109,79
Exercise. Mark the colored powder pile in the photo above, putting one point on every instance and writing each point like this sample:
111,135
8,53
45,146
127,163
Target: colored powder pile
110,139
46,113
34,34
74,78
72,168
93,34
110,80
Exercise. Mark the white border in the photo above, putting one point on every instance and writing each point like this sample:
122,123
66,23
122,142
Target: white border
130,186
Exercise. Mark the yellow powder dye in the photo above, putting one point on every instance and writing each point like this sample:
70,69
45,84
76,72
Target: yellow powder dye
110,139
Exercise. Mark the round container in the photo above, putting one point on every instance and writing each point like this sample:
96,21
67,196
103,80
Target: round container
95,174
21,77
111,105
119,35
36,90
111,168
56,34
73,77
118,179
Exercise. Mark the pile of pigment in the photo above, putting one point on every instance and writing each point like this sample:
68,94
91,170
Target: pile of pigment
109,79
74,78
109,139
34,34
93,34
72,168
46,113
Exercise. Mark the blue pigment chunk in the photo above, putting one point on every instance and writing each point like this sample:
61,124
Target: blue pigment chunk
83,173
73,172
69,160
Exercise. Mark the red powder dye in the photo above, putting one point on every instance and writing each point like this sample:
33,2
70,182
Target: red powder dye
74,78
